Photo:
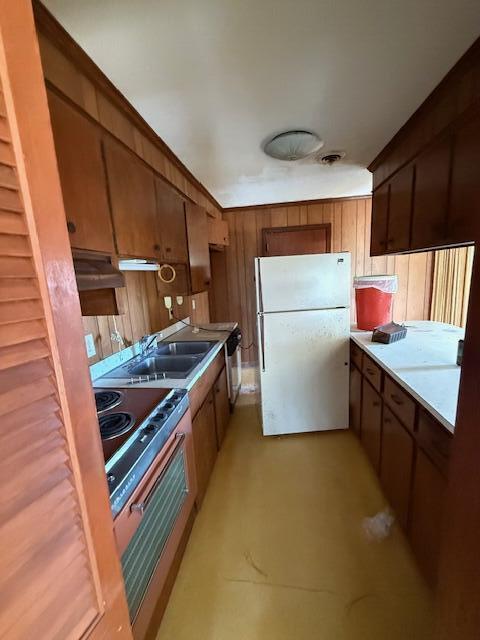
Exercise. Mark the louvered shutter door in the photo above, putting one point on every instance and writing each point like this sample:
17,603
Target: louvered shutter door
47,584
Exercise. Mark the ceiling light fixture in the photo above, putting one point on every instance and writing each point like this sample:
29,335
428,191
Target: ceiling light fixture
293,145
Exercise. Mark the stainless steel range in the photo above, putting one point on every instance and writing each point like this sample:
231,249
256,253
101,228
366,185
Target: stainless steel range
147,445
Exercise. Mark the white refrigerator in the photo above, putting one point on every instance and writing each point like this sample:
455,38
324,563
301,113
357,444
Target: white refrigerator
303,322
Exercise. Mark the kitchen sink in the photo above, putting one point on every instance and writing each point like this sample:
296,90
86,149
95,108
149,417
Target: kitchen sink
177,366
167,360
185,348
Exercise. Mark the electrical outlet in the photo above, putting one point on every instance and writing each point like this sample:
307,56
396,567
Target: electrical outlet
179,300
90,345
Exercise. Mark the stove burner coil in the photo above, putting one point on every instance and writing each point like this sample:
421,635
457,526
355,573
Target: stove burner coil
107,400
115,424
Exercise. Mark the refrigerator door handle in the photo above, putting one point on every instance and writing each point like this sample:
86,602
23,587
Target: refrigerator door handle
262,339
260,292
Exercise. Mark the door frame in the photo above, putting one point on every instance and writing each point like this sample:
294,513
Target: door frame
301,227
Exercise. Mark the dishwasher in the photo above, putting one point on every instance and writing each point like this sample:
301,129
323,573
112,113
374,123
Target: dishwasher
233,359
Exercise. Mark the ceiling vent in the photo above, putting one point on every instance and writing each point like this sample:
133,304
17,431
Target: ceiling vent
293,145
330,157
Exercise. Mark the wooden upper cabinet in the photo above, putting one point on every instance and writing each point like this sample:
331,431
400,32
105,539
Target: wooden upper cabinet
132,197
378,243
82,177
198,250
171,226
432,174
464,214
400,210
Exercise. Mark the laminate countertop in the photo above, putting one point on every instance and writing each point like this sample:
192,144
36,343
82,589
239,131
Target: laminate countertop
424,364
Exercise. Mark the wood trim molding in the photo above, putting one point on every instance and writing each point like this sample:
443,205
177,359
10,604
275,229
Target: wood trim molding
470,59
47,24
294,203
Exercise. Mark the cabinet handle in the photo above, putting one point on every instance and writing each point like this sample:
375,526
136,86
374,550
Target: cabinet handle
156,247
168,249
387,420
396,399
371,372
71,227
376,403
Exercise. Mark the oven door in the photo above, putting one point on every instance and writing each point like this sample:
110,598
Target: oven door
152,526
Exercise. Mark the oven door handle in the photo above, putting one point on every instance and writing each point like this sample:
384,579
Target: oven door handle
140,507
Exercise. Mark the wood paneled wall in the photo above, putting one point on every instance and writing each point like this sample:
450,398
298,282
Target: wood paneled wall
144,312
69,70
233,295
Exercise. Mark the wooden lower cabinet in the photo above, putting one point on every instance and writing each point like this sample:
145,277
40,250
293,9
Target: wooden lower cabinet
222,406
371,428
204,444
428,495
396,465
355,402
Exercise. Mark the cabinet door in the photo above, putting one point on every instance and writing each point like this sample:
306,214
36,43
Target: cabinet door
82,177
355,399
371,427
432,173
427,508
171,227
132,196
204,444
222,406
464,215
198,250
400,210
396,466
378,242
59,566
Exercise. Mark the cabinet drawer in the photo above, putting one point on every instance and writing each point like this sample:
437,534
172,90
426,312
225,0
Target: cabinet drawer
356,355
400,403
434,440
372,372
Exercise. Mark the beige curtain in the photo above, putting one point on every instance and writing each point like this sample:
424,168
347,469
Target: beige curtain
452,274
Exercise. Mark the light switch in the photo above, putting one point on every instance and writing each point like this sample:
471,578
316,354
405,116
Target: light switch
90,345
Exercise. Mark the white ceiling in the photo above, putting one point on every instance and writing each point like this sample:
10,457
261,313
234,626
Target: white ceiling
214,78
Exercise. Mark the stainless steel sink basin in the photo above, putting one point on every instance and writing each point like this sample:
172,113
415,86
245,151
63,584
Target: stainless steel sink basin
167,366
185,348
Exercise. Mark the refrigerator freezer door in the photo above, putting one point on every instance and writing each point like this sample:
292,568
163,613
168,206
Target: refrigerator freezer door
304,371
294,283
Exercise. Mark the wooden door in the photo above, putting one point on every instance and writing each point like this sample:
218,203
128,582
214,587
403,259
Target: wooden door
171,226
378,241
82,176
400,210
428,498
396,465
132,197
355,399
371,427
198,250
205,445
291,241
429,219
222,406
464,214
60,573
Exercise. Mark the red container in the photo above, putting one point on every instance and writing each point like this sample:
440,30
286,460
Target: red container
374,303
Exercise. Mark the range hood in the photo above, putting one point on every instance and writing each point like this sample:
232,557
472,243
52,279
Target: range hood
94,272
138,265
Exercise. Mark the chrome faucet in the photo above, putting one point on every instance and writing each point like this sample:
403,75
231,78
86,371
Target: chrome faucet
146,342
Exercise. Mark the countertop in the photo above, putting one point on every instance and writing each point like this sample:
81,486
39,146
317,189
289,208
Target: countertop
217,332
424,364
